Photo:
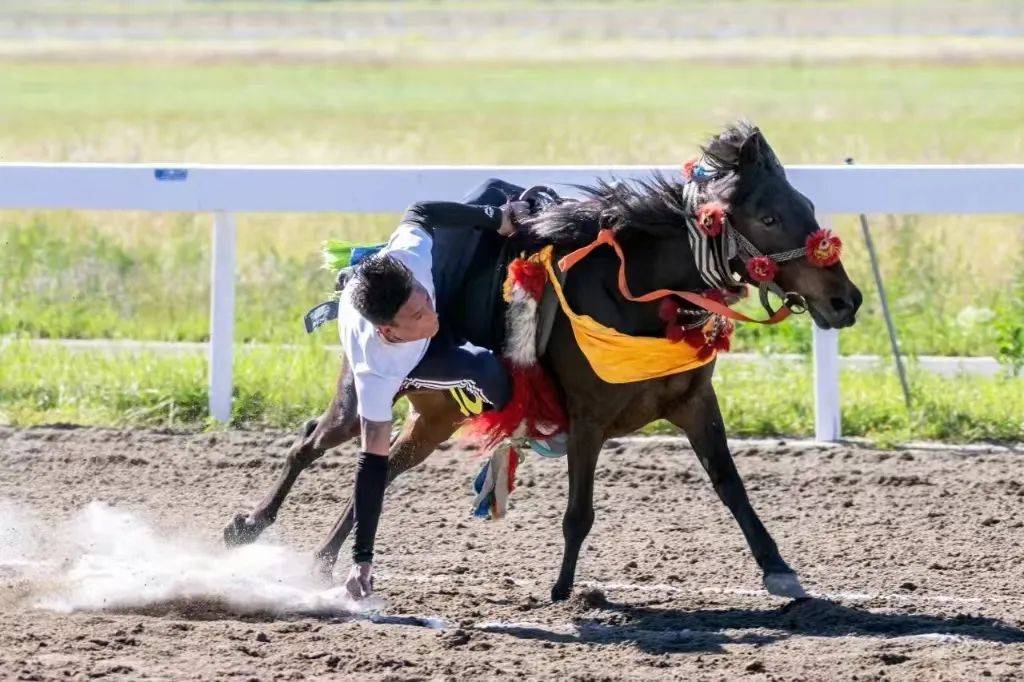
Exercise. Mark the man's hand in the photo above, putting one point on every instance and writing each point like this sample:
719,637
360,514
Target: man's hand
512,214
360,581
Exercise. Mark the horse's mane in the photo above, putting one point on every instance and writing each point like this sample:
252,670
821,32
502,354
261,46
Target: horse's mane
654,205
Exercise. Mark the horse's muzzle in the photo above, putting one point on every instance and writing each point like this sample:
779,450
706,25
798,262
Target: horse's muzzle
838,311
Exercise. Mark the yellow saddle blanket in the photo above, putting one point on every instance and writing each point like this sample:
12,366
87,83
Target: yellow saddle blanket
620,358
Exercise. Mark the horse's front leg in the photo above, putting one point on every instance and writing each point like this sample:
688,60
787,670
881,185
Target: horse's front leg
700,418
337,424
433,420
585,440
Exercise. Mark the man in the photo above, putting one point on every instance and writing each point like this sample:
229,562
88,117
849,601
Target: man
394,339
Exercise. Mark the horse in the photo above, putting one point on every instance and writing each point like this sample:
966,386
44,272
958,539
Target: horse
767,215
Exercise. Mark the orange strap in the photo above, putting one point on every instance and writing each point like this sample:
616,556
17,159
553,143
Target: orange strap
607,236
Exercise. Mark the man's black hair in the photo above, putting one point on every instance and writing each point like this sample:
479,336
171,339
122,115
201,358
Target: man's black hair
381,286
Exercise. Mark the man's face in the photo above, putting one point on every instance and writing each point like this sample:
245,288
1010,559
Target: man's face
415,320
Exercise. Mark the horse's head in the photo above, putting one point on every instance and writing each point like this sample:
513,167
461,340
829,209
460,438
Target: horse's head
776,219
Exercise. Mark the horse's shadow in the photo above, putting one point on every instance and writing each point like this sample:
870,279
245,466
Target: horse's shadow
667,630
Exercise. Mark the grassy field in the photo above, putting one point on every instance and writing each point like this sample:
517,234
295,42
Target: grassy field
283,389
956,284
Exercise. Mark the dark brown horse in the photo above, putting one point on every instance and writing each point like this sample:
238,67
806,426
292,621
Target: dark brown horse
649,222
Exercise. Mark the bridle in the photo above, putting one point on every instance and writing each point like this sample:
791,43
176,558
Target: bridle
822,248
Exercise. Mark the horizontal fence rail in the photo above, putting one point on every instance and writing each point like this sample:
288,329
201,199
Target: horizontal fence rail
225,190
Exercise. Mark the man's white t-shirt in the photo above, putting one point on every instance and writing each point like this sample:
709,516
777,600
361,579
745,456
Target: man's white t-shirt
380,366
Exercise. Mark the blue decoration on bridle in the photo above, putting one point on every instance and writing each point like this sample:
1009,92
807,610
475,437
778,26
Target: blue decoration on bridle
703,174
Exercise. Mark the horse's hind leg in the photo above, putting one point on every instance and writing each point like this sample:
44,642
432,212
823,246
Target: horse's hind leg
433,421
339,423
701,419
584,445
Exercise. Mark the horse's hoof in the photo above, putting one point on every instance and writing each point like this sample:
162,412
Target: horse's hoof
784,585
560,592
242,530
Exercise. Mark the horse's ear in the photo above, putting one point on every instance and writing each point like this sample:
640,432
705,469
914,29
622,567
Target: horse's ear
755,151
750,150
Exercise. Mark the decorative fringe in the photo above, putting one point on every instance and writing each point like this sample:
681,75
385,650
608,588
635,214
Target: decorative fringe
534,411
495,483
522,290
535,408
337,254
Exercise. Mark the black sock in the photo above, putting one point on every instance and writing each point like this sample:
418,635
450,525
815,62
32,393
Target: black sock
371,479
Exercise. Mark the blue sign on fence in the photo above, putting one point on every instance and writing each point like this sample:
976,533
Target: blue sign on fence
171,174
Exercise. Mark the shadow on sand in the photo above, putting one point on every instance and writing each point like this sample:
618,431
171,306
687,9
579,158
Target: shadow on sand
666,630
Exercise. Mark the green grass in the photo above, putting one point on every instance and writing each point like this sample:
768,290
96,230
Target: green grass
282,389
486,113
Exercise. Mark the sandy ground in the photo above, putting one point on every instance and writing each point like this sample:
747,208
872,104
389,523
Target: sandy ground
915,559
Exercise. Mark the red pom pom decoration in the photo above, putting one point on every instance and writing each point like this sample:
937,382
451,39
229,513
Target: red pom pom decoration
675,333
824,248
711,217
688,169
695,337
762,269
668,310
716,295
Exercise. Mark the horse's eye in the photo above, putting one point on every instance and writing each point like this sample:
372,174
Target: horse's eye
768,219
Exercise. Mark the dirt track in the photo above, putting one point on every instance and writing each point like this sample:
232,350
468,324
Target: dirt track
917,556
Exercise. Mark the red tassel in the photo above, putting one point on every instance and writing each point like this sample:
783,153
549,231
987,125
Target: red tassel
723,340
528,274
695,338
534,399
513,464
668,310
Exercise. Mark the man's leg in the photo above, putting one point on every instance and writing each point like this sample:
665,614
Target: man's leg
473,376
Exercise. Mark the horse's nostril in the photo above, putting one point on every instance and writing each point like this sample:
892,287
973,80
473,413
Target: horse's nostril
840,304
858,298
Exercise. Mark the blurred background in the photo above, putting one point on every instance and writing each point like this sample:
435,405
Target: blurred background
444,82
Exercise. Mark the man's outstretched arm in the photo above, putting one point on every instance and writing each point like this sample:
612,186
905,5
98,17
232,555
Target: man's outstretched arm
371,480
431,215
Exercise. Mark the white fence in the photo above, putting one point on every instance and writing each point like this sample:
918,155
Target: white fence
225,190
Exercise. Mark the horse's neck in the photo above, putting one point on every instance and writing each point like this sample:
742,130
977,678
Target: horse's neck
593,290
660,263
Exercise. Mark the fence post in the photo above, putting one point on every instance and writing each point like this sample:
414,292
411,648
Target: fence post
827,418
222,315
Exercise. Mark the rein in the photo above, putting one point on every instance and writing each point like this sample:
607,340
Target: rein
607,237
